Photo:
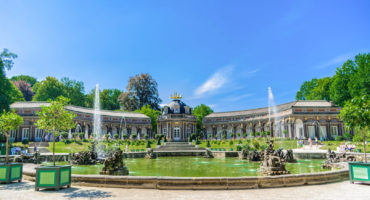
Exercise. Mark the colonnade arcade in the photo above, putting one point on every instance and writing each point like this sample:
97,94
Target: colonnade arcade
121,129
291,127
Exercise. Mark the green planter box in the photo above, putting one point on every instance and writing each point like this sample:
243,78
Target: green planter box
11,172
54,177
359,172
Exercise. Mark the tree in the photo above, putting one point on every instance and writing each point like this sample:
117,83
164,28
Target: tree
9,121
359,83
50,88
15,93
306,89
28,79
321,91
25,88
153,114
55,119
200,112
109,99
141,90
339,91
356,114
74,90
6,63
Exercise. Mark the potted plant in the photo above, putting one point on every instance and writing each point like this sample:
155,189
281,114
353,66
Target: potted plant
285,132
54,119
356,115
10,171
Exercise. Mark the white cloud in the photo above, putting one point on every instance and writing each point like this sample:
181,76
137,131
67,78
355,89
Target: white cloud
335,61
233,98
215,82
213,106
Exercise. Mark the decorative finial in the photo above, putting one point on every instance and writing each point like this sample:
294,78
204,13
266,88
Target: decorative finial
175,96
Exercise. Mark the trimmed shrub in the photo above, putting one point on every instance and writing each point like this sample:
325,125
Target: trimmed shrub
231,142
238,148
338,138
25,141
256,144
208,143
66,141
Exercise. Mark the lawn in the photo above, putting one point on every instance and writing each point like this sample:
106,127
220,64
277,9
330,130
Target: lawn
61,147
262,143
74,147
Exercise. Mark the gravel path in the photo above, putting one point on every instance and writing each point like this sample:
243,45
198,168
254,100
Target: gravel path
335,191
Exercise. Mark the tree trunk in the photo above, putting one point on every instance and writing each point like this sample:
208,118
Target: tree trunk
364,138
54,148
7,149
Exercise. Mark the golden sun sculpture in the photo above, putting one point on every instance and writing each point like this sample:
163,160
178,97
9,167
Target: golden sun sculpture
176,96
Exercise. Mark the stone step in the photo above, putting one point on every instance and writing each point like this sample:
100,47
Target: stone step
177,148
39,144
40,149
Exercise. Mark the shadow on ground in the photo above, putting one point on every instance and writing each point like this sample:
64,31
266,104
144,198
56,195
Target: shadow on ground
72,193
17,186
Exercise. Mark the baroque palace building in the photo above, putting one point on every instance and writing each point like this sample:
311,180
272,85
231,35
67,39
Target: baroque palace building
297,119
176,122
113,122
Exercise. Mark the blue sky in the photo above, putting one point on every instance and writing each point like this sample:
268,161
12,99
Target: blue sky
221,53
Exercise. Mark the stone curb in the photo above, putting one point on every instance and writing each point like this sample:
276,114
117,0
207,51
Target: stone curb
204,183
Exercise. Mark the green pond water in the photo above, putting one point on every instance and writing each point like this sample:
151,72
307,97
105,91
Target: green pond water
197,167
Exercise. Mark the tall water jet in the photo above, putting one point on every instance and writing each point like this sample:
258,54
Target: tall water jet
273,109
97,114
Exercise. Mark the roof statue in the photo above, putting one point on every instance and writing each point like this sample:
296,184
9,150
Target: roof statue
175,96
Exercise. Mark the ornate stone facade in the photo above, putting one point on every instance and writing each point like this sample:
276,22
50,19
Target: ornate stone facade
113,122
298,119
176,122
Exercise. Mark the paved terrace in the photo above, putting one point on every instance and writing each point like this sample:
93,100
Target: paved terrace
334,191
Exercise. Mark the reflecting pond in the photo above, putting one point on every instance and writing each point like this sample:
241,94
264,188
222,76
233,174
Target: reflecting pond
198,167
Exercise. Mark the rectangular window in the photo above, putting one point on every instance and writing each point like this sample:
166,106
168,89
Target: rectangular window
165,131
12,134
176,132
25,133
311,132
322,132
188,132
334,131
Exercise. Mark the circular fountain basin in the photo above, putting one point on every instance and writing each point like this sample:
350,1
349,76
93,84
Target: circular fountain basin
198,173
198,167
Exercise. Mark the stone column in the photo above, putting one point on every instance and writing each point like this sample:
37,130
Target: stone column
328,130
317,135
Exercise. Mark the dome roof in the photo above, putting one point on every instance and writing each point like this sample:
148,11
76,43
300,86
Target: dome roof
176,107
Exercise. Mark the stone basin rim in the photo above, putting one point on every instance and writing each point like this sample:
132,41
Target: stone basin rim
206,183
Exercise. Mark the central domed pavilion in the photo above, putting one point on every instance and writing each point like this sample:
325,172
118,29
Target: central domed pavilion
176,122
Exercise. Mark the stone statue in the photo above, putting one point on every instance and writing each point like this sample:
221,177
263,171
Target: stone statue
150,154
332,157
272,163
36,158
84,158
244,154
285,155
208,154
255,156
113,164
